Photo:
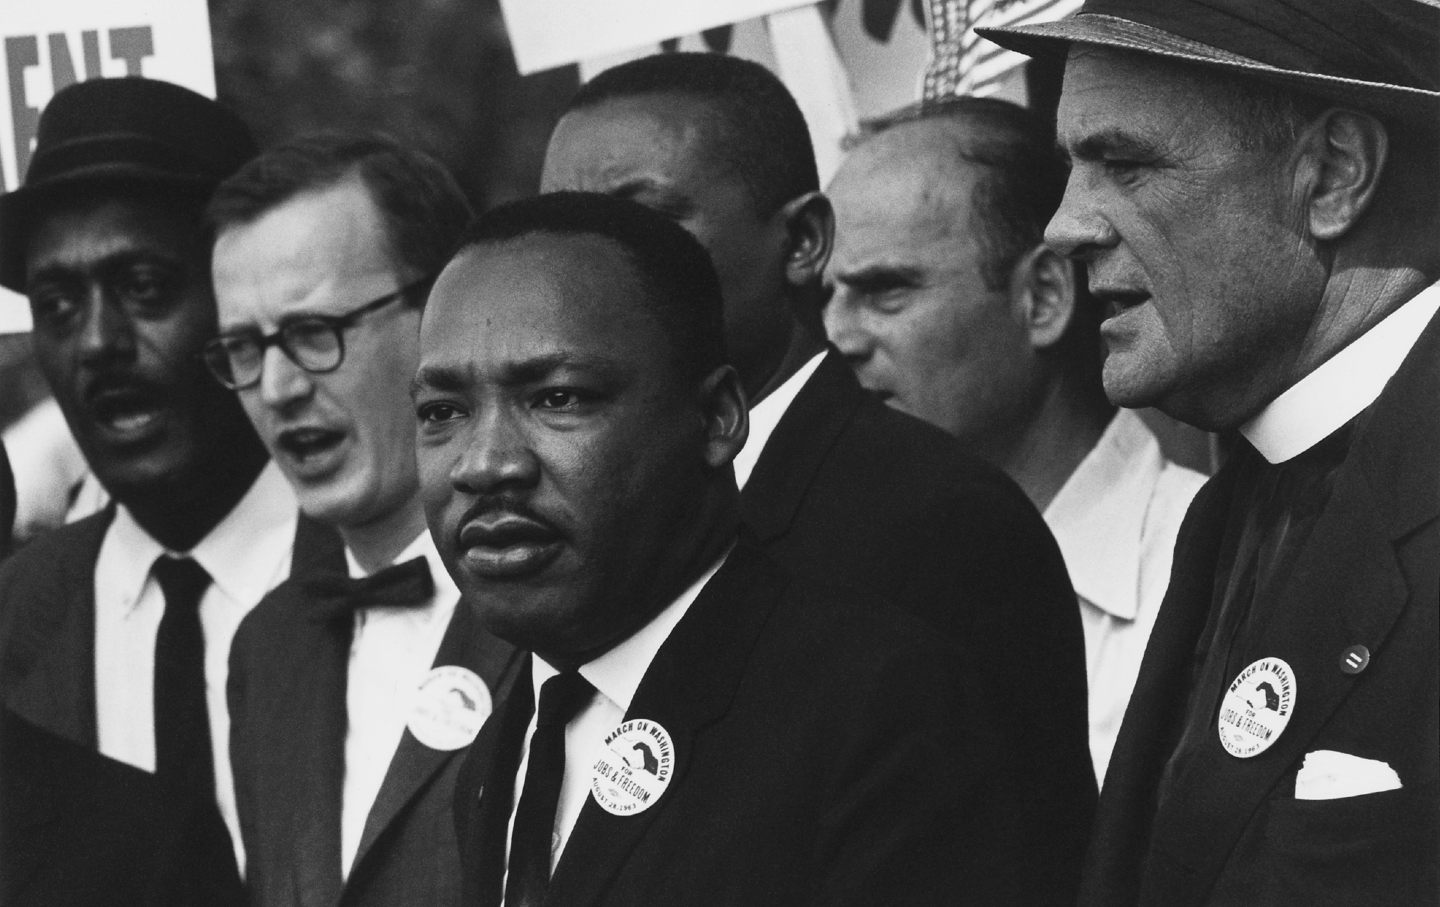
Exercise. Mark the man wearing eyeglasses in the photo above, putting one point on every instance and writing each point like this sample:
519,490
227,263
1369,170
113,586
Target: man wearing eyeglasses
352,692
114,631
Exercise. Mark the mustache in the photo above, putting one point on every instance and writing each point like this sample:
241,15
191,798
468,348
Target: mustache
493,510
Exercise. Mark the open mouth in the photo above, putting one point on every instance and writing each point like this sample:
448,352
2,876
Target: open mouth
304,444
506,545
1120,301
125,412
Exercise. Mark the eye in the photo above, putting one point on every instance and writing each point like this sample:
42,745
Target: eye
52,306
144,285
560,398
437,412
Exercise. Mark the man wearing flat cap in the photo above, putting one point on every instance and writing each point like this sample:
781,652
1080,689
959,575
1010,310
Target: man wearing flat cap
115,631
1254,192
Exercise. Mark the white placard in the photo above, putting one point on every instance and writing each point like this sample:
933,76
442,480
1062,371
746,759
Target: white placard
549,33
48,44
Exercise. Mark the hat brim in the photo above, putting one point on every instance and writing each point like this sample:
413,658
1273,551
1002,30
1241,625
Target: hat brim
1054,39
19,205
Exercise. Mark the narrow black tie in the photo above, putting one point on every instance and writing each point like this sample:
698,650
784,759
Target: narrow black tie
182,720
561,698
397,586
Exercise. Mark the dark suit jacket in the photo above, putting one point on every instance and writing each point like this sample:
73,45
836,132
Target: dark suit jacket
824,754
869,505
288,677
69,831
1368,574
47,681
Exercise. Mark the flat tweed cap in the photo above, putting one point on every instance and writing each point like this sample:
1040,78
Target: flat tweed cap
1382,56
121,132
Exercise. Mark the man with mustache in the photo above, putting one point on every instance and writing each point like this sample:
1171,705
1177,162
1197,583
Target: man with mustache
352,692
1253,190
115,631
706,732
870,504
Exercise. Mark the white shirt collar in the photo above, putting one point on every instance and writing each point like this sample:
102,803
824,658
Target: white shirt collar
766,414
1102,502
618,672
1343,386
240,553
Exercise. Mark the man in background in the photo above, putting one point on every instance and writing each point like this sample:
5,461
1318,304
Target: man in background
947,303
115,631
1253,193
353,690
867,504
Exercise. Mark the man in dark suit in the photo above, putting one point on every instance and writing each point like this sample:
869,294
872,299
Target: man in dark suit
1255,194
861,501
354,692
114,631
703,735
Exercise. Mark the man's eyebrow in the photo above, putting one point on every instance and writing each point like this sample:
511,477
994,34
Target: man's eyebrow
1106,142
125,258
878,271
631,189
437,377
450,378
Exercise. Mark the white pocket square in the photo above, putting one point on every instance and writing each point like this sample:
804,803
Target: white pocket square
1328,775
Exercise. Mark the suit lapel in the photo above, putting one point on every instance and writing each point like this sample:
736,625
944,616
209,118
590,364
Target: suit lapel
688,686
1346,588
799,444
53,653
466,644
317,754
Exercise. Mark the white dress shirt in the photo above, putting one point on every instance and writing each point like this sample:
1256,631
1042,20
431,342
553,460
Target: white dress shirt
616,676
1116,519
1344,385
391,652
766,414
247,554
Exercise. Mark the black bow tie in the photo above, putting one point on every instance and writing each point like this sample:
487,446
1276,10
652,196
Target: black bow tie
406,585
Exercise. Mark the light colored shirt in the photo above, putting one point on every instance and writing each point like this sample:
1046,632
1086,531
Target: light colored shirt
615,675
391,652
766,414
247,554
1344,385
1116,519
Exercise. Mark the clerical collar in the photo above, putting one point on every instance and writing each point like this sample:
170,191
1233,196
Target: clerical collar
1343,386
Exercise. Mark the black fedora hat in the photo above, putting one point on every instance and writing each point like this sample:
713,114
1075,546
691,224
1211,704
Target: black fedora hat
124,131
1382,56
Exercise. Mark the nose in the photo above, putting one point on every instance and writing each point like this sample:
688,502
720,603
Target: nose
1079,229
497,456
282,382
106,331
845,327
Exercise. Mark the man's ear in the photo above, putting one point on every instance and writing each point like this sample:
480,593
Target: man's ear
1042,295
1341,155
727,416
809,237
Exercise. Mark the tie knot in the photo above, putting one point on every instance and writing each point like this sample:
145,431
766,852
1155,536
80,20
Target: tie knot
181,579
562,697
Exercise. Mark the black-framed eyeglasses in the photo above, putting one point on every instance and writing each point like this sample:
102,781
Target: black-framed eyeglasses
316,343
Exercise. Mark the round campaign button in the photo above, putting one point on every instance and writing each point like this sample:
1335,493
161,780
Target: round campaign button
1354,659
633,767
450,705
1257,707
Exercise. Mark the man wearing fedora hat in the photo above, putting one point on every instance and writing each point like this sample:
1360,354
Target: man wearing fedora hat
115,631
1253,190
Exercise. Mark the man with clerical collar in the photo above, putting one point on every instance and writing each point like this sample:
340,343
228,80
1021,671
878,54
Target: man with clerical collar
947,301
705,732
1253,191
116,629
867,503
352,691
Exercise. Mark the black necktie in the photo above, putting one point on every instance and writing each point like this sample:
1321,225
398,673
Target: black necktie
182,721
561,698
397,586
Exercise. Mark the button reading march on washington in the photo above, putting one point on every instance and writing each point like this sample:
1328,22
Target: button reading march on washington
633,767
1257,707
449,706
1354,659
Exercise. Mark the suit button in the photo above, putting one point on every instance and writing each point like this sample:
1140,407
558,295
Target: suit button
1354,659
